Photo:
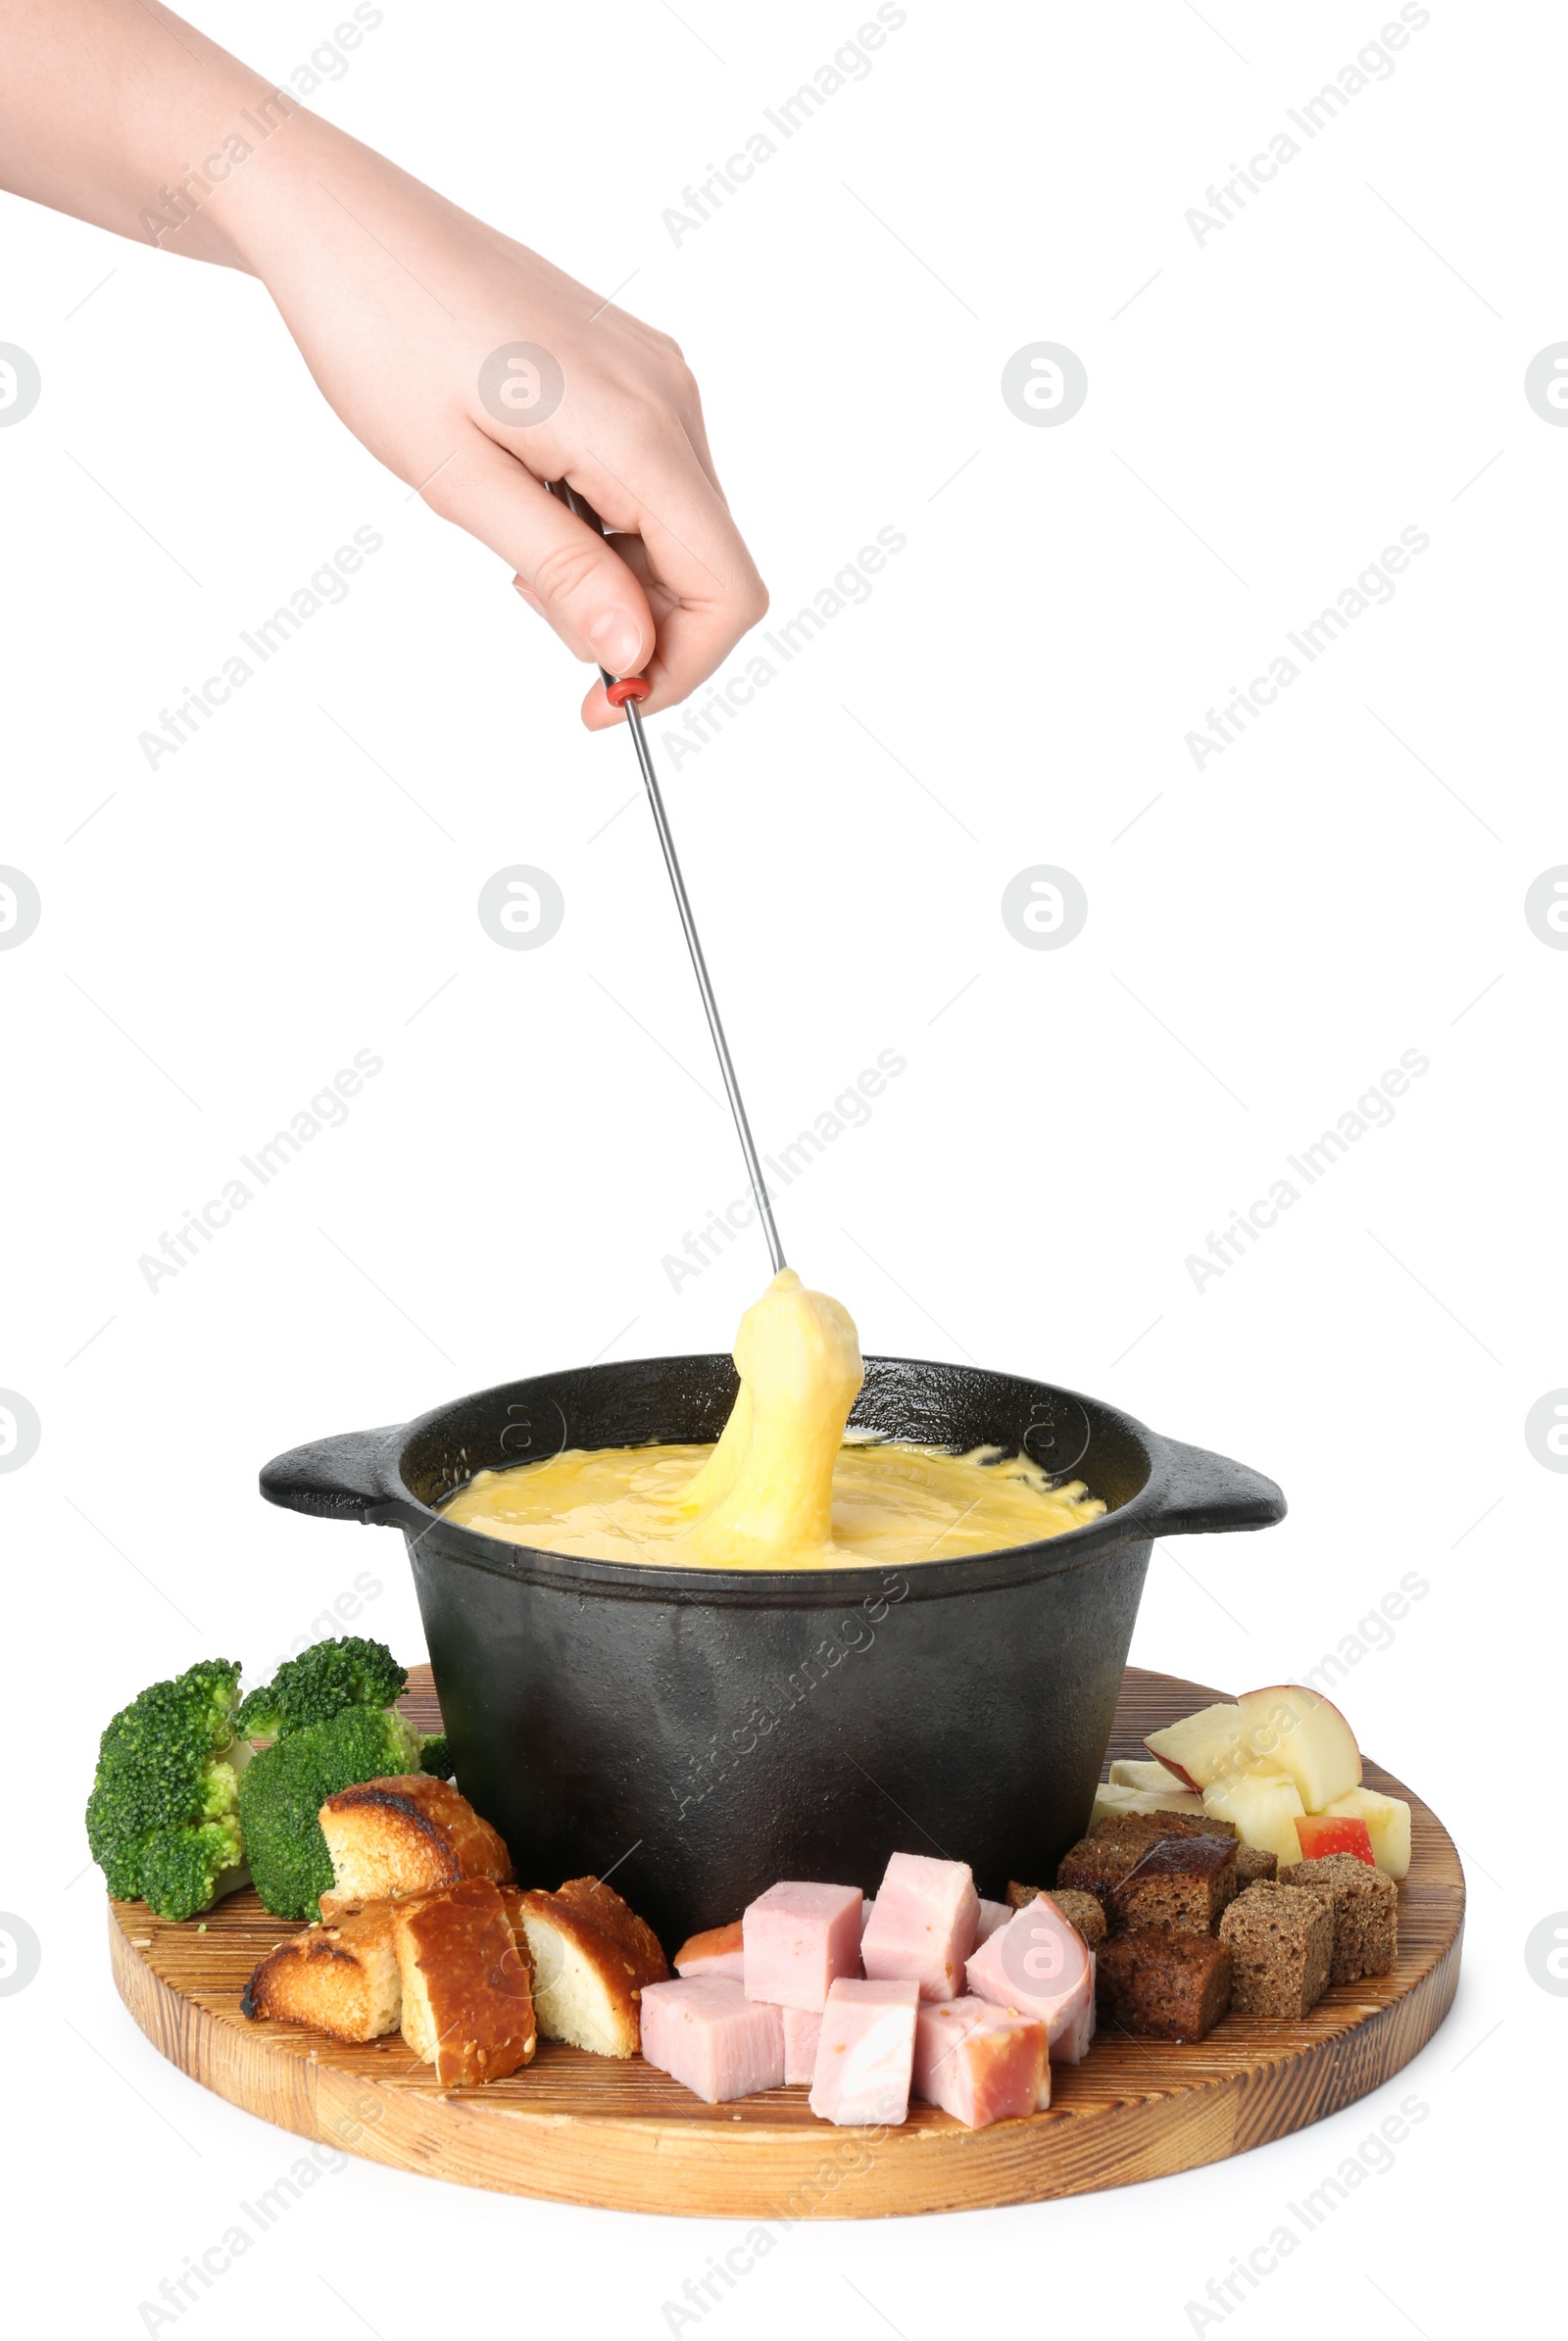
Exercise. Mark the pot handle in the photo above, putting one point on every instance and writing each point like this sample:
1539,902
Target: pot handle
345,1478
1196,1494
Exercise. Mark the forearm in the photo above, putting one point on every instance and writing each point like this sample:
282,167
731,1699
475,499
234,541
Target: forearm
469,365
123,115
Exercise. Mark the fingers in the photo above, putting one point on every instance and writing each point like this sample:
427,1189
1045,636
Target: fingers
686,551
667,597
565,571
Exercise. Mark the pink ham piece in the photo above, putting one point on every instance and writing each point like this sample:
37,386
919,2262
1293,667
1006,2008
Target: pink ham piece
925,1924
866,2056
1042,1966
1077,2029
980,2063
866,1908
707,2035
718,1952
799,1939
992,1916
803,2029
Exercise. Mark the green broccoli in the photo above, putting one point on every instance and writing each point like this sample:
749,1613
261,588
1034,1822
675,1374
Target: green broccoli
282,1791
331,1719
321,1683
162,1819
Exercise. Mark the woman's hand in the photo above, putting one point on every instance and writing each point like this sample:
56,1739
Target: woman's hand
476,372
466,362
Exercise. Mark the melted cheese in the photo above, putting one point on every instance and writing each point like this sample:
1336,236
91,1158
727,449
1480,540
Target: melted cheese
783,1488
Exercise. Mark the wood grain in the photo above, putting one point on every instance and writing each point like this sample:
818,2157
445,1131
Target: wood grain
577,2128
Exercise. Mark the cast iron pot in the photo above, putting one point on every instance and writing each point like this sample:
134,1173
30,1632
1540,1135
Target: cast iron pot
703,1732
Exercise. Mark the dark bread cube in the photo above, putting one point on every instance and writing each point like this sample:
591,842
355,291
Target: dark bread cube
1083,1911
1364,1904
1253,1865
1179,1883
1097,1865
1170,1986
1280,1944
1144,1827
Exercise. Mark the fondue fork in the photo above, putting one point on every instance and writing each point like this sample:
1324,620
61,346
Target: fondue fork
624,692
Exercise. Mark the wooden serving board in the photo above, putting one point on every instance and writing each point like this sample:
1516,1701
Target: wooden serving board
578,2129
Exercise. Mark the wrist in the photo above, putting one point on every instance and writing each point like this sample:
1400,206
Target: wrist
230,200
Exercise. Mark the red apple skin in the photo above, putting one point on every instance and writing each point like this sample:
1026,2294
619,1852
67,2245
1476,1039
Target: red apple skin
1323,1833
1291,1691
1171,1765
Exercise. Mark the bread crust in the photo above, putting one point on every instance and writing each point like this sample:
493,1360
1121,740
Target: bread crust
405,1835
585,1940
342,1981
467,2001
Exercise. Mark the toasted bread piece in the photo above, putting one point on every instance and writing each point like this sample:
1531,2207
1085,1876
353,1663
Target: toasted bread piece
467,1999
338,1980
404,1836
592,1955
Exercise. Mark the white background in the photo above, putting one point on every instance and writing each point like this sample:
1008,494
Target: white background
1266,411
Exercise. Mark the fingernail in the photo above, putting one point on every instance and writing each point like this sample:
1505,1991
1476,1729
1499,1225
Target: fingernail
616,643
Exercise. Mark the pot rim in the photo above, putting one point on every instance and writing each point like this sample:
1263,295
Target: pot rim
1184,1491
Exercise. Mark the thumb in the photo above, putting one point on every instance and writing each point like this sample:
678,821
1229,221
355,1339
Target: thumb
567,573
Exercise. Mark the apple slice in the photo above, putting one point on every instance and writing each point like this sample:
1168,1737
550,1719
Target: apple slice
1290,1729
1323,1833
1266,1807
1387,1821
1128,1773
1203,1747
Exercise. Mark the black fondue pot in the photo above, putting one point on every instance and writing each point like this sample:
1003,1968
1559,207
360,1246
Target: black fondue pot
702,1732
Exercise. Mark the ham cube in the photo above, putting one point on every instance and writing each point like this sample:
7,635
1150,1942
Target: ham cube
707,2035
980,2063
925,1924
718,1952
992,1916
866,1908
1075,2027
1041,1964
803,2029
866,2056
798,1939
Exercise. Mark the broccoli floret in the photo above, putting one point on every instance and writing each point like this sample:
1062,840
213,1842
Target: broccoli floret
320,1683
436,1757
162,1818
282,1791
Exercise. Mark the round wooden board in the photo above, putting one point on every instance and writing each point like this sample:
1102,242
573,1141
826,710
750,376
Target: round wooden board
578,2129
